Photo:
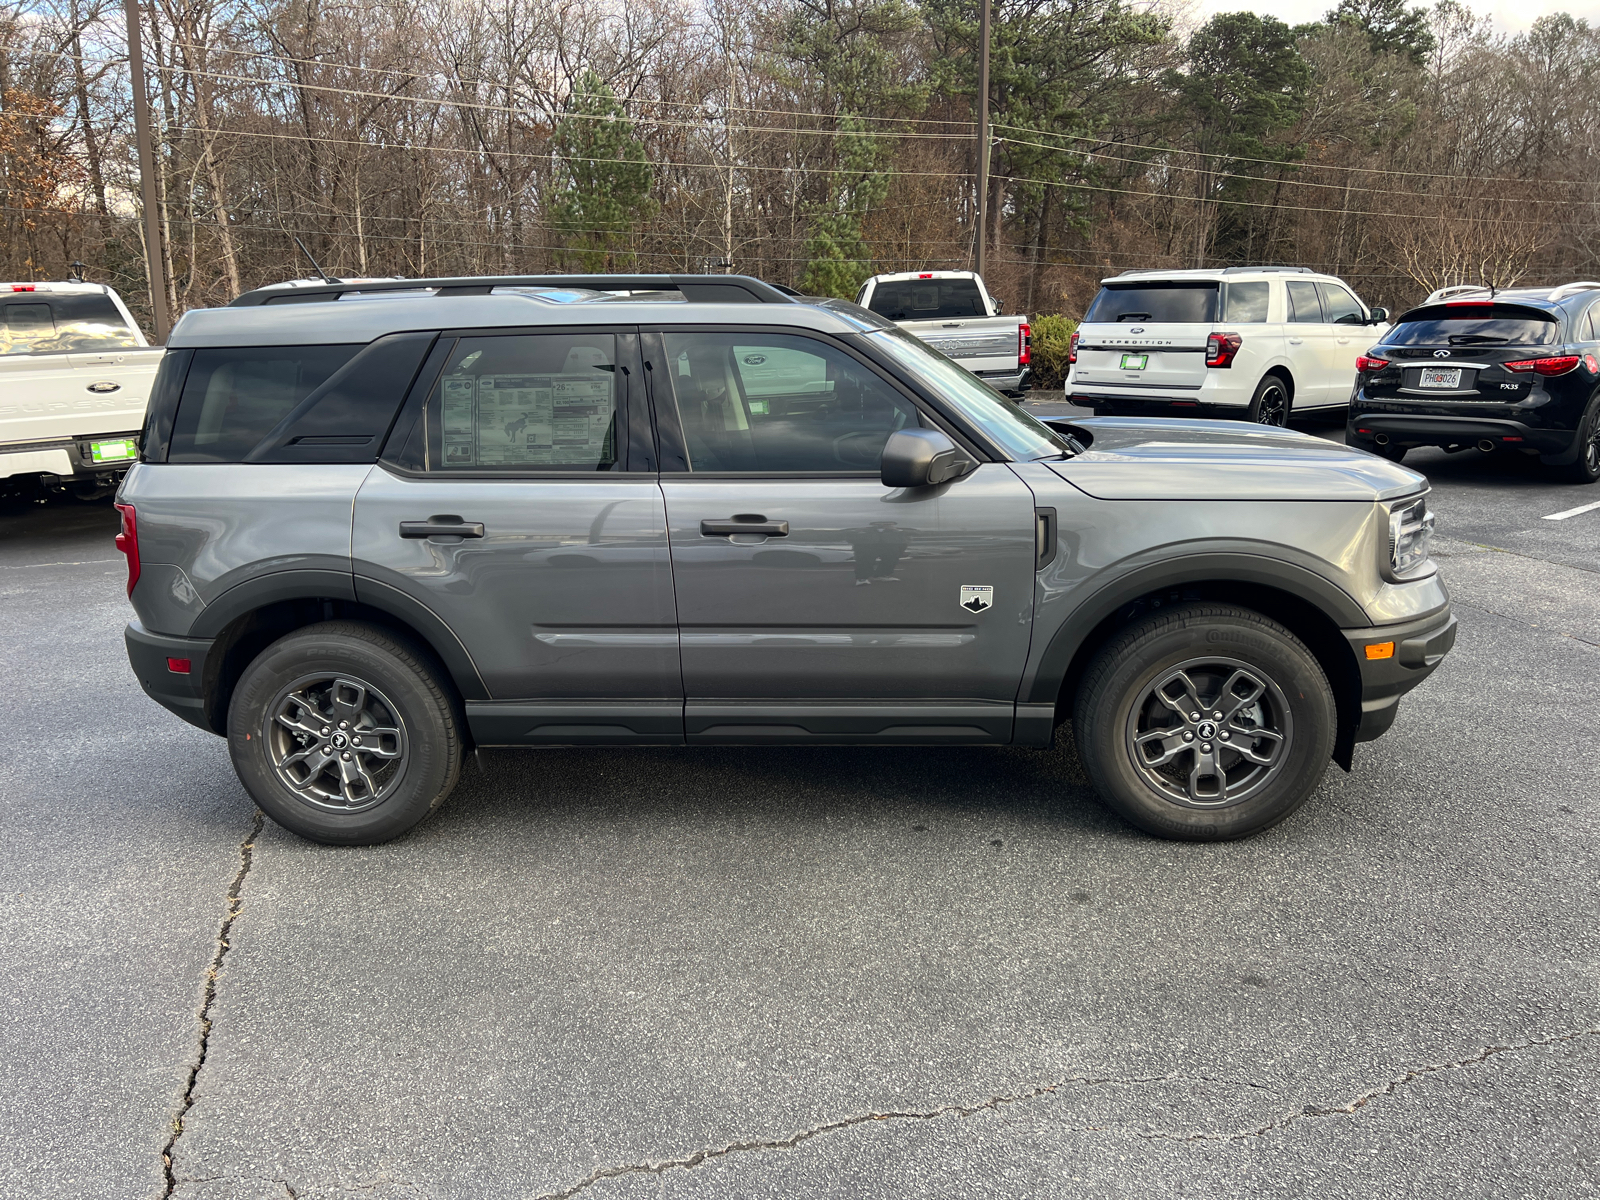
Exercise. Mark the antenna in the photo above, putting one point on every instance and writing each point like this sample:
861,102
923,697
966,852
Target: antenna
313,261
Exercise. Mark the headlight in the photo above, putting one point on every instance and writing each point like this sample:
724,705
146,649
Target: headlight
1410,533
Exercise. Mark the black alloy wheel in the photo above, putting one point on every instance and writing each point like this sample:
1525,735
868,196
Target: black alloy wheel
1270,404
1586,468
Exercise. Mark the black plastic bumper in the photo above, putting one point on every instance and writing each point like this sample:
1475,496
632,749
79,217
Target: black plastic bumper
1406,429
153,656
1419,647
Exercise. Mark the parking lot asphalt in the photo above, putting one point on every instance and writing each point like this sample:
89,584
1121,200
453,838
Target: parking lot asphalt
797,973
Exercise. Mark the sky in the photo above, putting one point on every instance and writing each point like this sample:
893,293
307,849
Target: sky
1510,16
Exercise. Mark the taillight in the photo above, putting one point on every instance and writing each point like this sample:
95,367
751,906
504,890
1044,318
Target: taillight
1024,344
1557,365
22,287
1072,350
128,542
1365,363
1221,348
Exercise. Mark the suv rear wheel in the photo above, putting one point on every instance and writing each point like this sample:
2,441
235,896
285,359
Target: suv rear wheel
1205,722
345,734
1586,469
1270,404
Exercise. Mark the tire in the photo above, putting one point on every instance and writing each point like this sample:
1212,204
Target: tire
391,696
1200,652
1270,404
1586,468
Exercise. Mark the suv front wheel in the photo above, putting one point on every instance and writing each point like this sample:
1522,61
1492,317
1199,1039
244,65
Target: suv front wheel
345,734
1205,722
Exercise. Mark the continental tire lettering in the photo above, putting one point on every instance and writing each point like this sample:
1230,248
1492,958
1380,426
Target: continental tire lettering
1227,635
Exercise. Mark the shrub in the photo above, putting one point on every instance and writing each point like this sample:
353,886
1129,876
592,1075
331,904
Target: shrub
1052,339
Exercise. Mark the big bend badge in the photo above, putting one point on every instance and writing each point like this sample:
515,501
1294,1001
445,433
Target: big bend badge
976,597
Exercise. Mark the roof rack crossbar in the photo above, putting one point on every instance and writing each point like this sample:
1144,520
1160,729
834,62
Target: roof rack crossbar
724,289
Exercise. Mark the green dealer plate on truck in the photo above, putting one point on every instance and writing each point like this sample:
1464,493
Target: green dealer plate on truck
120,450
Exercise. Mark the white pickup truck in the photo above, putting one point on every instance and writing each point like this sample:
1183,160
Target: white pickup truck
953,312
75,374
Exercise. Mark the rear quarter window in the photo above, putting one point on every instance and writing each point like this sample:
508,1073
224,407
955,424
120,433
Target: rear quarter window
1247,303
233,398
1158,303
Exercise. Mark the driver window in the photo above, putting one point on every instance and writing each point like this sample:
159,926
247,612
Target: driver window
775,402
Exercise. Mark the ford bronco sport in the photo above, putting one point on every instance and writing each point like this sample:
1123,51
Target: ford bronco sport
375,525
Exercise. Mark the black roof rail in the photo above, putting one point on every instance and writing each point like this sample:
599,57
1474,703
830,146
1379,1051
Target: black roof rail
702,289
1289,270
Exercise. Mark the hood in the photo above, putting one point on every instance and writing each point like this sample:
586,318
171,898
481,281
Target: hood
1162,459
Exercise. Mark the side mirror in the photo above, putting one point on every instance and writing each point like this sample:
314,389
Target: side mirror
1377,316
921,458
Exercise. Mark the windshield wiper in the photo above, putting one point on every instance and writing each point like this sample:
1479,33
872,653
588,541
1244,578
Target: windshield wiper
1135,317
1477,339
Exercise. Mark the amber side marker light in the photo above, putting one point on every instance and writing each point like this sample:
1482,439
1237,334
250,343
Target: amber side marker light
1381,650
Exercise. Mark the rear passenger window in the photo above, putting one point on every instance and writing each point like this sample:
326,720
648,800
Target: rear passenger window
776,403
233,398
521,402
1247,303
1304,308
1341,306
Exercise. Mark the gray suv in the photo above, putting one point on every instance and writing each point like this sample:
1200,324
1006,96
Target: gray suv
377,524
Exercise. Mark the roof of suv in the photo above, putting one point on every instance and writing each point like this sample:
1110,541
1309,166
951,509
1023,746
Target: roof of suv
1538,297
1205,274
331,312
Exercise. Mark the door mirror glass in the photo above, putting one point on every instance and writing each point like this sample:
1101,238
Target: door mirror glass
921,458
1377,316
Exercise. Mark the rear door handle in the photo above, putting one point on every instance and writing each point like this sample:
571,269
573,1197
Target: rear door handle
1297,341
441,526
744,523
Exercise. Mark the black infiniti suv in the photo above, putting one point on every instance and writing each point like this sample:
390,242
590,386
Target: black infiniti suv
1471,367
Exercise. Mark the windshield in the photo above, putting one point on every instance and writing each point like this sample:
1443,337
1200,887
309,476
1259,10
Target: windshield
927,299
1020,435
1158,302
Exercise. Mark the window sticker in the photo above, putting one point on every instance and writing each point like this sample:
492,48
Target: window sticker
525,420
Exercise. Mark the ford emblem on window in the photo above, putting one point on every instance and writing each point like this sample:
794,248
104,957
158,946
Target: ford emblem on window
754,360
105,385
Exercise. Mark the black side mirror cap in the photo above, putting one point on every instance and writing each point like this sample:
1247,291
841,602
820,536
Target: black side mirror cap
1377,316
922,458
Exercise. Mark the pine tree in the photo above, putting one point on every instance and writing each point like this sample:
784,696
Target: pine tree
838,257
603,179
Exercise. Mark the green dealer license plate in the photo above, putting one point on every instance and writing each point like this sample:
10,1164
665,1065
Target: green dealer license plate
1134,362
120,450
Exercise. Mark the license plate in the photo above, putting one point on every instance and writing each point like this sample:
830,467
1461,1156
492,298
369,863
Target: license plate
118,451
1134,362
1440,377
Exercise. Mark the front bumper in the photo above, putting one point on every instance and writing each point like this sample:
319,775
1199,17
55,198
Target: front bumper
1419,647
1411,429
179,692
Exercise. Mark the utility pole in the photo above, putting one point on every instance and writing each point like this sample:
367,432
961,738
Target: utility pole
155,261
983,140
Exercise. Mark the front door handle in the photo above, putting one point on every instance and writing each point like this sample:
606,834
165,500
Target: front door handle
441,526
744,523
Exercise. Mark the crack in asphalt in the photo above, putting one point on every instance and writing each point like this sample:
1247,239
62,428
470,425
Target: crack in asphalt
209,994
1351,1107
658,1167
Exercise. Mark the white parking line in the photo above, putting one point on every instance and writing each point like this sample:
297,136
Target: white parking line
1573,512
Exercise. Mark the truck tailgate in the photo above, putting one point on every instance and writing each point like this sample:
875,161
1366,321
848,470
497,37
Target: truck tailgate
977,343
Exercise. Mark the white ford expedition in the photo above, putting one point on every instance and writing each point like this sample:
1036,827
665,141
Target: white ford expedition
75,374
953,312
1251,342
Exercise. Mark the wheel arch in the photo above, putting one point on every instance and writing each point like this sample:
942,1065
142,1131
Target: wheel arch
242,626
1309,606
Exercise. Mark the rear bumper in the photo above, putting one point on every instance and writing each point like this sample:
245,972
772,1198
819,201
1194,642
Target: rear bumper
63,457
178,692
1005,381
1406,429
1419,647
